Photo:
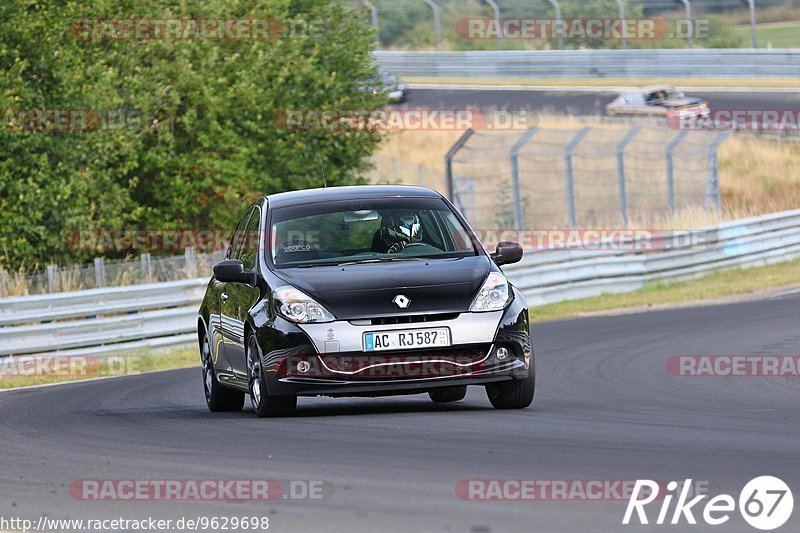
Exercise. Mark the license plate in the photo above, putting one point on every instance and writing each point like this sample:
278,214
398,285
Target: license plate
406,339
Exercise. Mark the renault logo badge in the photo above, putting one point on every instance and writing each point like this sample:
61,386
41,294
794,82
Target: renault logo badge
401,301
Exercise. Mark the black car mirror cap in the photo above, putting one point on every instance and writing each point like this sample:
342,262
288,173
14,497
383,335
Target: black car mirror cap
507,253
232,271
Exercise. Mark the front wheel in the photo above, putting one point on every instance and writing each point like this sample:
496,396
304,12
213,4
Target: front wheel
264,404
517,394
218,398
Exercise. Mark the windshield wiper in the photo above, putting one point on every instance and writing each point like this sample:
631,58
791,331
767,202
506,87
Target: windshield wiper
383,260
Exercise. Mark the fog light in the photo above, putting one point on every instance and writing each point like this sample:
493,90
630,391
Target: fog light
303,367
501,353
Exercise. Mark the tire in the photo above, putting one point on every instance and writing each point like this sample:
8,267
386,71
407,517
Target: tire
218,397
517,394
264,404
448,394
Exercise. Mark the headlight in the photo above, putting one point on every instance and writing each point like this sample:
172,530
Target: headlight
297,306
493,296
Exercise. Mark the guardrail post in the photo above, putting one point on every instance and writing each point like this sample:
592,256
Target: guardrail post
373,16
670,169
688,5
712,183
496,10
753,22
145,260
623,195
99,272
559,22
570,176
448,164
51,273
437,23
519,215
621,4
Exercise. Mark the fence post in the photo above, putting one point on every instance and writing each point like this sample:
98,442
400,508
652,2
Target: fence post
688,5
373,16
437,23
99,272
496,11
191,260
753,22
623,194
670,169
559,22
145,259
448,164
395,176
52,273
621,4
519,216
422,175
712,183
570,176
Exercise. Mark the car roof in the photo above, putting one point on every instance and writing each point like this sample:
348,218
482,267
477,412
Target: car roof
351,192
652,88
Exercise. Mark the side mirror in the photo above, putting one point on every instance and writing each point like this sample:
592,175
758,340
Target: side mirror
507,253
232,270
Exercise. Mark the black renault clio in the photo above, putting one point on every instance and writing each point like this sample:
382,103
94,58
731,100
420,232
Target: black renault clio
361,291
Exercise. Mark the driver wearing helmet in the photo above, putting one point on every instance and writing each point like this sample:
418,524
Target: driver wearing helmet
396,232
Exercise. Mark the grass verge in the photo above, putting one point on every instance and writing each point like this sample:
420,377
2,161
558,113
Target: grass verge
25,371
718,285
727,83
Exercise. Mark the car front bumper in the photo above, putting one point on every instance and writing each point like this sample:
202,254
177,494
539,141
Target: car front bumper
328,359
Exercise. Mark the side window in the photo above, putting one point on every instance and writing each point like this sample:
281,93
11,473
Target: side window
250,240
236,237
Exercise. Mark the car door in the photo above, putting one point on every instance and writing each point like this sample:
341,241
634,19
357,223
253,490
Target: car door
240,297
227,315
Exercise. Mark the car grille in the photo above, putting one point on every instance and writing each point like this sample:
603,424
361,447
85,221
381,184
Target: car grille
405,319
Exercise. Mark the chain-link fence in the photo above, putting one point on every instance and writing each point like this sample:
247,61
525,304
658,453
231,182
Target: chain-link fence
582,177
434,24
144,268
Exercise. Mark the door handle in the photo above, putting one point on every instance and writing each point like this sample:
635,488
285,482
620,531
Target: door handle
224,296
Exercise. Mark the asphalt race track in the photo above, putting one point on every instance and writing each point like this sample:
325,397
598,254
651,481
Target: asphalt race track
585,102
606,408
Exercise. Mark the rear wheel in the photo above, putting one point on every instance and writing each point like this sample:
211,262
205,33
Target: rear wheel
448,394
517,394
218,397
264,404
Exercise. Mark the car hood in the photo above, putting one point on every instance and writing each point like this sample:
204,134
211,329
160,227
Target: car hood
368,290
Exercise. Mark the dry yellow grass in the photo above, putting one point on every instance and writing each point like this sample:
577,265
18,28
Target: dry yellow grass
757,175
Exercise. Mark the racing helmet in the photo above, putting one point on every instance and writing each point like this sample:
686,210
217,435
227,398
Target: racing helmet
400,228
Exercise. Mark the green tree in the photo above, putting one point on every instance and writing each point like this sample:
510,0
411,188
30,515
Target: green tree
190,130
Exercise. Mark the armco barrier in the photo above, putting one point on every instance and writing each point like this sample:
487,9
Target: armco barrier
682,63
105,320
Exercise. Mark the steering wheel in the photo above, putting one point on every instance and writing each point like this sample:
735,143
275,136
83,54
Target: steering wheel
398,246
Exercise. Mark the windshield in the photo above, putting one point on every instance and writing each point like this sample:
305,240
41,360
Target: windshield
367,231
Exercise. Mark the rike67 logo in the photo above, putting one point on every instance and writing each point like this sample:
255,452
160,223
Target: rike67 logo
766,503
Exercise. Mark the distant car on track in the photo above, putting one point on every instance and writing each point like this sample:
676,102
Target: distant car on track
656,101
388,84
361,291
